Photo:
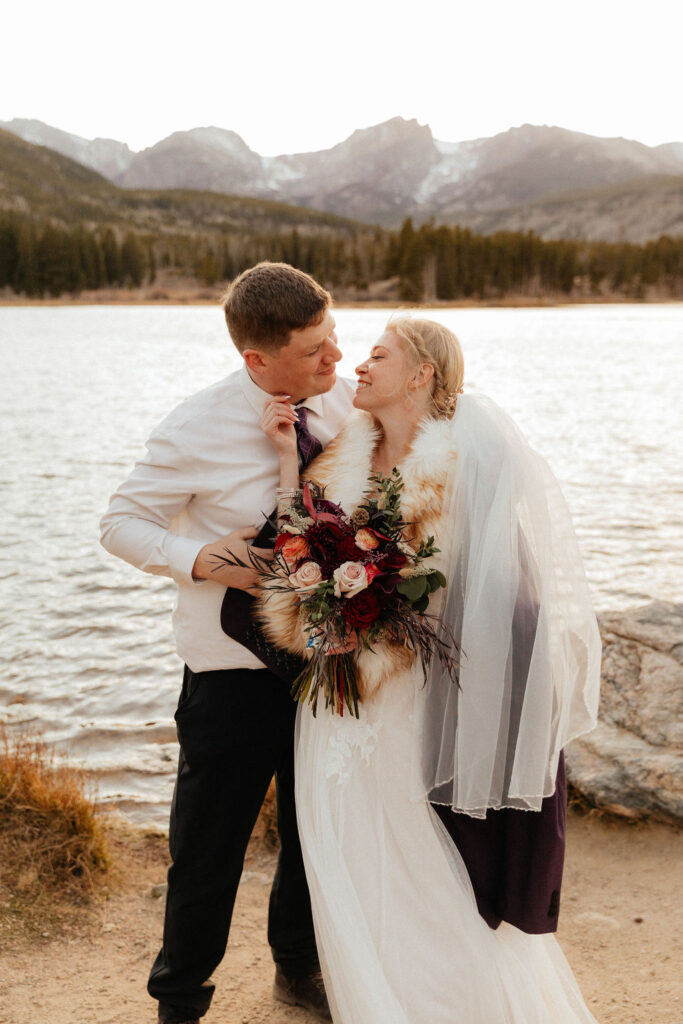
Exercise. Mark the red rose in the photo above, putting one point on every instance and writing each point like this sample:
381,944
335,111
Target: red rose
323,549
362,610
387,584
335,530
391,561
347,550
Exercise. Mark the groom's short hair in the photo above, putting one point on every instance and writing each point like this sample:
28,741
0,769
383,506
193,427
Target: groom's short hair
265,303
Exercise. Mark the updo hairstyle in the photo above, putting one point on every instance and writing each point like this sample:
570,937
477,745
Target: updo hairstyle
429,342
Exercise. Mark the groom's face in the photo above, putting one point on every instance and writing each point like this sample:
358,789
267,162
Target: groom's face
306,366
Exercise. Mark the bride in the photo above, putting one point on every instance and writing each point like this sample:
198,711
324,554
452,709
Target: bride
399,935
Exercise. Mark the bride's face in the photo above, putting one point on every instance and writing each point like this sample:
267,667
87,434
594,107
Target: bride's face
384,376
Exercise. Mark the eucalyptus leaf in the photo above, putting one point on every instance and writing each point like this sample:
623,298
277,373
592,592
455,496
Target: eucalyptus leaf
435,580
413,588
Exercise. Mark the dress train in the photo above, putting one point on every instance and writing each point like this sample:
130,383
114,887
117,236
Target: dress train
398,932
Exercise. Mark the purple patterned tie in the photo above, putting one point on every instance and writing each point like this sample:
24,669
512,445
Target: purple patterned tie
307,443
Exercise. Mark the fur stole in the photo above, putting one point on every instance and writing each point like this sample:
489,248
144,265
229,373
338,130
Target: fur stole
344,470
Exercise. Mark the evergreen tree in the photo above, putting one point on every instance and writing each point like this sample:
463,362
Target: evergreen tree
410,263
207,269
9,252
132,261
228,266
26,278
151,264
55,260
112,258
90,259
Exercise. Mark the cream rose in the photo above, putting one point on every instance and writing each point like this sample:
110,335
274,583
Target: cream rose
366,540
349,579
307,577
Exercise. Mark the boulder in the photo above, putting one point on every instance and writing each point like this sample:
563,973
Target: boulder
632,763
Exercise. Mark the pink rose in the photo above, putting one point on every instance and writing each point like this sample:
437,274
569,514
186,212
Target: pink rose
366,540
307,577
349,579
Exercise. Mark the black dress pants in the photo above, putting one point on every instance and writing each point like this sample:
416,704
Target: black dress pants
236,729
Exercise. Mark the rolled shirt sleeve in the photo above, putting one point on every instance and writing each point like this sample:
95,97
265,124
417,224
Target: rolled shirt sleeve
208,470
138,525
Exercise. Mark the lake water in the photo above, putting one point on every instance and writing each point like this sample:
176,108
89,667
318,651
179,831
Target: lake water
86,639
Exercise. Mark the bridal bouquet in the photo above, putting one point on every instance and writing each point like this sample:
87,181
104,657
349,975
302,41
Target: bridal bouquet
358,582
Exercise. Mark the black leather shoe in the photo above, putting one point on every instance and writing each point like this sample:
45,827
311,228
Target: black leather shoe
163,1020
307,991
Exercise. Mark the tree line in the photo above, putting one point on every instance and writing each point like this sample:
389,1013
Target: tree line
428,263
447,263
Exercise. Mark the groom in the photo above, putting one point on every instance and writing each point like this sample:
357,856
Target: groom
209,470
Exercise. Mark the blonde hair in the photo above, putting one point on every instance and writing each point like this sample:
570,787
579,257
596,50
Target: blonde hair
429,342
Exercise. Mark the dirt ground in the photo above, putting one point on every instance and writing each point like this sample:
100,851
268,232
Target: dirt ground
621,929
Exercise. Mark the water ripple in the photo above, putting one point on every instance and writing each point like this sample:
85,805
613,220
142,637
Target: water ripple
87,640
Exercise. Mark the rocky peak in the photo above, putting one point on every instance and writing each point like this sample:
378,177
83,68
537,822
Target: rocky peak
107,156
371,174
201,158
395,132
220,139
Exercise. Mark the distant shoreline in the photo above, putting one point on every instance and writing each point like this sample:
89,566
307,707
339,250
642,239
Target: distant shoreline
126,297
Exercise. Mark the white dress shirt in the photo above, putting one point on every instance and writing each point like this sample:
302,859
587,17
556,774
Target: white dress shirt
209,469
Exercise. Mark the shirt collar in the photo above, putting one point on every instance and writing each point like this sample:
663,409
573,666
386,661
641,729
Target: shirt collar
257,397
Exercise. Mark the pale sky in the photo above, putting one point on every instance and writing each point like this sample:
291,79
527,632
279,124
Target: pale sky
298,75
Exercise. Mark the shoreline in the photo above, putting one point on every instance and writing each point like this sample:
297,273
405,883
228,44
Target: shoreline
618,930
202,297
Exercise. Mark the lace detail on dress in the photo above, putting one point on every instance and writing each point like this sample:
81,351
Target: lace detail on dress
352,737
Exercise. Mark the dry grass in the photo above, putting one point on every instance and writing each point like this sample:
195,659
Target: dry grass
581,804
51,840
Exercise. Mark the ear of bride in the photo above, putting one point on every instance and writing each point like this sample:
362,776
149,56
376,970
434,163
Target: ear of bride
421,377
436,351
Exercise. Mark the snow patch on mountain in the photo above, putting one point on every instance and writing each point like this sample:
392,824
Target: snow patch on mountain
458,160
279,170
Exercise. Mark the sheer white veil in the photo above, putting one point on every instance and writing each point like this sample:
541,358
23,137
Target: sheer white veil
517,601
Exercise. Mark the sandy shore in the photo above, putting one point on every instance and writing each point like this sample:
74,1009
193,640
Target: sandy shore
189,293
621,930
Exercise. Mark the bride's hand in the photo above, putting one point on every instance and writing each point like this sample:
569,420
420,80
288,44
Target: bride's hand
277,423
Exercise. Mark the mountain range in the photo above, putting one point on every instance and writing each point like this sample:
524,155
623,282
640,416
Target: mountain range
559,183
47,185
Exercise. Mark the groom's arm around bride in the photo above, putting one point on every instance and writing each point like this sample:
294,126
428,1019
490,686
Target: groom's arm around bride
208,477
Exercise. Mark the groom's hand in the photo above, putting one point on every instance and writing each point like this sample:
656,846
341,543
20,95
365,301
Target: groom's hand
208,566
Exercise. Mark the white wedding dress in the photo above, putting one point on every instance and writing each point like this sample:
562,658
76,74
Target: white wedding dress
398,932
